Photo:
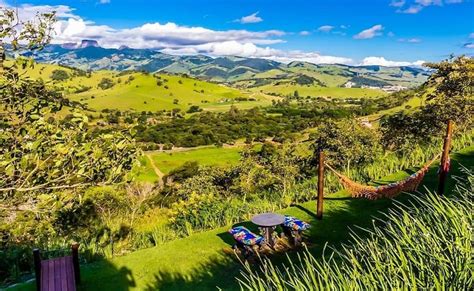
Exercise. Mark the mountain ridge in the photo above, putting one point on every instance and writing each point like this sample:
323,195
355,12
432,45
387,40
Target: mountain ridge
88,55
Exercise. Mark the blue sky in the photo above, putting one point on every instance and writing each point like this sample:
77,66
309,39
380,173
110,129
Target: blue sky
384,31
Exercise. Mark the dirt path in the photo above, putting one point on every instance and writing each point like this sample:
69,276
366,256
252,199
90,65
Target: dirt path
157,171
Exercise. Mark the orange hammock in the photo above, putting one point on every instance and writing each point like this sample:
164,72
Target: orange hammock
384,191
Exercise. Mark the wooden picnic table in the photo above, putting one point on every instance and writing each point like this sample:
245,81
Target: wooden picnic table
268,222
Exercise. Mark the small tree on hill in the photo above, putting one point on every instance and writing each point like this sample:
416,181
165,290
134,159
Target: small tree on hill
105,84
59,75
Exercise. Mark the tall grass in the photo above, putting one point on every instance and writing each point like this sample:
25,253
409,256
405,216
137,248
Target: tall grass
423,245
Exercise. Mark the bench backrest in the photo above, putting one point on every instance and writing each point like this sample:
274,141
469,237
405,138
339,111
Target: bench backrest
61,273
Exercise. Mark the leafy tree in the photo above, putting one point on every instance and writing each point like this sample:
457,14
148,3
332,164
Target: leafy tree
59,75
453,96
194,109
347,142
452,86
38,156
105,84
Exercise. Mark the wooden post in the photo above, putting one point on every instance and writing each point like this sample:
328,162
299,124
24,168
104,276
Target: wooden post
444,167
319,214
75,262
37,262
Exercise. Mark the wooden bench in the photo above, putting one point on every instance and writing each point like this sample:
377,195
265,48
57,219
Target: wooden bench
58,274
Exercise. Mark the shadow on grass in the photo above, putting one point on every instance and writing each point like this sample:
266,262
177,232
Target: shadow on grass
309,212
209,276
110,277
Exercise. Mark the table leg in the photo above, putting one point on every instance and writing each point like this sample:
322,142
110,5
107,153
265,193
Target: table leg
268,236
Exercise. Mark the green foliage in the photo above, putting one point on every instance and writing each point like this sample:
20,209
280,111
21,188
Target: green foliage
194,109
37,155
59,75
426,245
35,33
206,211
105,84
40,157
452,99
347,142
214,128
453,77
187,170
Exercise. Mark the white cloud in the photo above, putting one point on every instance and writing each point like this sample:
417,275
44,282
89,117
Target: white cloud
372,32
172,38
157,35
410,40
310,57
469,45
252,18
381,61
397,3
28,12
234,48
413,7
104,1
326,28
429,2
305,33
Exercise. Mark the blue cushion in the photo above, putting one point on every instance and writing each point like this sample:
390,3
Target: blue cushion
295,224
245,236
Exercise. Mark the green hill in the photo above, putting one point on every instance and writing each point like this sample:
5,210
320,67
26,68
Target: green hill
138,91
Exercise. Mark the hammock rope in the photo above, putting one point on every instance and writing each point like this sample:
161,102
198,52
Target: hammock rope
391,190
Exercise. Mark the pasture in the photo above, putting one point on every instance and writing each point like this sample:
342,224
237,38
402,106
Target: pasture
146,92
166,161
286,89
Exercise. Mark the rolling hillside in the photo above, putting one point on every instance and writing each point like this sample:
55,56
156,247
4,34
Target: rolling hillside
147,80
145,92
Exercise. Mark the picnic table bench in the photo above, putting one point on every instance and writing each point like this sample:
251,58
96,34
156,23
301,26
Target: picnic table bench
57,274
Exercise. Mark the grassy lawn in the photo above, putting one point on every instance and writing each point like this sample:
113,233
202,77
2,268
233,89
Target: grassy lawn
198,262
144,172
205,156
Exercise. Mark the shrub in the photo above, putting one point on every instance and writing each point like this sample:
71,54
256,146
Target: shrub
167,146
105,84
59,75
207,211
187,170
194,109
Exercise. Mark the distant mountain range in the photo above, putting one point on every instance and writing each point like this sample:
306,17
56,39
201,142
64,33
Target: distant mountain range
88,55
